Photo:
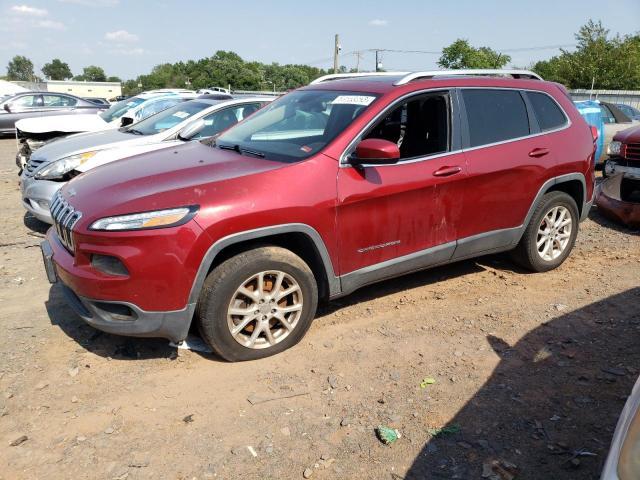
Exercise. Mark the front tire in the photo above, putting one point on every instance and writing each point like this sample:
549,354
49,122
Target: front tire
257,303
550,235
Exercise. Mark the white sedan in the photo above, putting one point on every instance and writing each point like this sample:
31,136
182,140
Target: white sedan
51,166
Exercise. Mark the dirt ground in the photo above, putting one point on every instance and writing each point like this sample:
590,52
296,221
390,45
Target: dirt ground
529,369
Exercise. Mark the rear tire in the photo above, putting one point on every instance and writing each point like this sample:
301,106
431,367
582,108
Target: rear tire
550,235
257,304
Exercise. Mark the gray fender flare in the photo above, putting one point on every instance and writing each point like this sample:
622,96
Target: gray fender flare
218,246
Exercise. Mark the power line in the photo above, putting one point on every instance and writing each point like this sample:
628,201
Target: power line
359,53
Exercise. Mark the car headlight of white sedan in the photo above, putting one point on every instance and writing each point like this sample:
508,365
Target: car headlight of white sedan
58,169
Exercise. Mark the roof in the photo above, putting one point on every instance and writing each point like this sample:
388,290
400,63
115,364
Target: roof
381,82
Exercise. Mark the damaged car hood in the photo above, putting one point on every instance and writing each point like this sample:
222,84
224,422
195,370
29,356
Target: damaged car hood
84,122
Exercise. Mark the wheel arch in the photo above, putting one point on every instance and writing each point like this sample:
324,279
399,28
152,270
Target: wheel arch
301,239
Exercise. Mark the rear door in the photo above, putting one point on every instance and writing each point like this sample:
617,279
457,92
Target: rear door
398,213
508,158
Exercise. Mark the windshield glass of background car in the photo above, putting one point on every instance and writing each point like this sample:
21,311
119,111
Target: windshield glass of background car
298,125
120,108
168,118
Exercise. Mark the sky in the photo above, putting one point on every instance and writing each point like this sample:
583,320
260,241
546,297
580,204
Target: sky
128,37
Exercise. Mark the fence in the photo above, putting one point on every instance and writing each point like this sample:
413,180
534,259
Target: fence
628,97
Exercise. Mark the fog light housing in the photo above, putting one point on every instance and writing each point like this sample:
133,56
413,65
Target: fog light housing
609,168
43,204
109,265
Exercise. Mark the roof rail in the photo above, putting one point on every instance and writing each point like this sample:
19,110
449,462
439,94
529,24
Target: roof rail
337,76
526,74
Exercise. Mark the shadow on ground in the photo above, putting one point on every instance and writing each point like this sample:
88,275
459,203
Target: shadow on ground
100,343
603,221
35,225
556,393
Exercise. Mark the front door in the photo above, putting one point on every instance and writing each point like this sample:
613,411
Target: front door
399,217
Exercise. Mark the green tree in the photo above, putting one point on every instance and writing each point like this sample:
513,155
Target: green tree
20,68
57,70
113,78
599,59
461,54
92,74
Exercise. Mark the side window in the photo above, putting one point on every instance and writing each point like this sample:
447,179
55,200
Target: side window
495,115
607,116
221,120
156,107
25,101
58,101
419,126
547,112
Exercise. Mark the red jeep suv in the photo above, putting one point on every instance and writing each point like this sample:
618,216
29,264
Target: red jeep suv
332,187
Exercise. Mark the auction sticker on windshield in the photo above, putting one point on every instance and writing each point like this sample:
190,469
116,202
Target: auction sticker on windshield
181,114
353,100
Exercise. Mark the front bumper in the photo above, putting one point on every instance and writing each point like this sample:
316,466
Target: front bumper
118,317
37,196
613,167
122,318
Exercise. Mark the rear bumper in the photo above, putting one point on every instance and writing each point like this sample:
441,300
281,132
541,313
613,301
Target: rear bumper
123,318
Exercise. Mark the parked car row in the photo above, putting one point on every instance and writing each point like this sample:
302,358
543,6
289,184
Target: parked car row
32,133
348,181
52,165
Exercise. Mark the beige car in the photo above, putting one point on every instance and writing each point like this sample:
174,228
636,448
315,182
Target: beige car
614,121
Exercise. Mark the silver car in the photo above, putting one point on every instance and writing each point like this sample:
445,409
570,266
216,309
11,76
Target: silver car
55,163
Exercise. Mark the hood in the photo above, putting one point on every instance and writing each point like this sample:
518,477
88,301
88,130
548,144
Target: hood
113,154
188,174
629,135
84,142
84,122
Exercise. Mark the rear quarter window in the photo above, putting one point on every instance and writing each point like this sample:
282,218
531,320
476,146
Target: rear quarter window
495,115
547,111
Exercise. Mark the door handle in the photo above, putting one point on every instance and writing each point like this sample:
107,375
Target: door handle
538,152
447,171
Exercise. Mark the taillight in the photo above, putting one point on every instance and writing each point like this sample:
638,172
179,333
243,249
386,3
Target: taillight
594,133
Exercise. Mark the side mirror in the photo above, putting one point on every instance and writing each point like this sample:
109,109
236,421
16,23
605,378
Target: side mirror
7,108
125,121
191,130
375,151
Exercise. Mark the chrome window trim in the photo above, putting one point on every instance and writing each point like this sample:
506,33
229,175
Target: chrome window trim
343,158
567,124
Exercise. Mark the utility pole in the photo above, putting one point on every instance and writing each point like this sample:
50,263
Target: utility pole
378,62
336,53
358,55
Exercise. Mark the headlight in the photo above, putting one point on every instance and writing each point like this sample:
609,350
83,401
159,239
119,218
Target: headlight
614,148
139,221
56,170
34,144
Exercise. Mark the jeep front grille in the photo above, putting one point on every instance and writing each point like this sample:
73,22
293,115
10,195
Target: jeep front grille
64,218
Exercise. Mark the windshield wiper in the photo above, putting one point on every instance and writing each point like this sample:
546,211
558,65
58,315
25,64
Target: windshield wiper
238,149
134,131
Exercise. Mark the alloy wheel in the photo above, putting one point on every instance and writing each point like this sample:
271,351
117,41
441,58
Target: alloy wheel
265,309
554,233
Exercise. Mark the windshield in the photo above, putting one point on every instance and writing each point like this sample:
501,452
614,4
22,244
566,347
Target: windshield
120,108
168,118
296,126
